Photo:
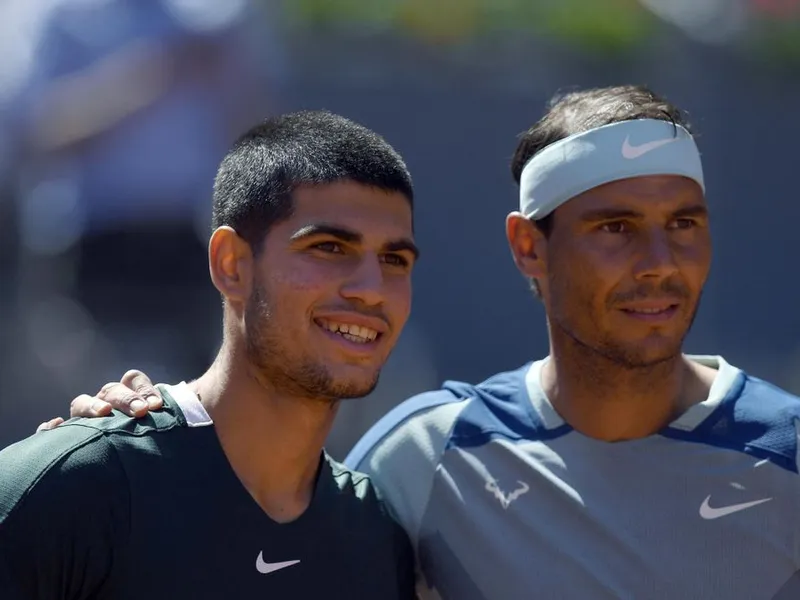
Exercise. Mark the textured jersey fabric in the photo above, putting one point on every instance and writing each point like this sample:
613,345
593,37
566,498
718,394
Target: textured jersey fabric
503,500
150,508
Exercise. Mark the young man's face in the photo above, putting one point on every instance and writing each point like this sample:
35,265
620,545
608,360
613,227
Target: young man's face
332,290
625,265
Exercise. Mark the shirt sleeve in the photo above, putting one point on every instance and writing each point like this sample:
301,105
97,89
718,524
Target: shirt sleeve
64,506
401,453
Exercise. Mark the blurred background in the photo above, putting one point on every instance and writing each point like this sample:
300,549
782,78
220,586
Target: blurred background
115,113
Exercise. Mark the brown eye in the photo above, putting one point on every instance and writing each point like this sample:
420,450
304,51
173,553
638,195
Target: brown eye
396,260
683,223
614,227
330,247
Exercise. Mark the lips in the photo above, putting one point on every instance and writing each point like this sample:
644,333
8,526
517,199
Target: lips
651,311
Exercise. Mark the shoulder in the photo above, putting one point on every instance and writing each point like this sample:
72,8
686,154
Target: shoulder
764,401
348,480
120,426
763,417
64,512
419,426
755,417
401,452
79,449
423,423
354,484
358,500
71,461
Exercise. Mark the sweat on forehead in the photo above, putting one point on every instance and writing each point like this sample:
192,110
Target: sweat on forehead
604,154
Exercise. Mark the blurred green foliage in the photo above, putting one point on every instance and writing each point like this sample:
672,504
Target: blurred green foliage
604,26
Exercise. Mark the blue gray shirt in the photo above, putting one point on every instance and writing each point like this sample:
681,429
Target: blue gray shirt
503,500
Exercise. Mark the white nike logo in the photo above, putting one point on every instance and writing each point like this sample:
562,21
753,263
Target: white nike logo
631,152
707,512
265,567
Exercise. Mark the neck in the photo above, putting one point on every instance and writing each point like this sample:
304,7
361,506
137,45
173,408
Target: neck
606,400
273,441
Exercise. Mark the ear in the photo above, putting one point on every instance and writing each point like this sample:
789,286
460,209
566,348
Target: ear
528,245
230,262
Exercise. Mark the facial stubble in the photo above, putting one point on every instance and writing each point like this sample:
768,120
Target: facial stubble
287,367
603,343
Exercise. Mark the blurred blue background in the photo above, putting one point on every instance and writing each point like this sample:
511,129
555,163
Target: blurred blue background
115,113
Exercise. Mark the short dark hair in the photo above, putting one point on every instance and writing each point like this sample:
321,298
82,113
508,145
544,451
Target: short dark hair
579,111
254,184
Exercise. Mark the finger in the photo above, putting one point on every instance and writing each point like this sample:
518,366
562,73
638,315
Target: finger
51,424
88,406
141,384
124,399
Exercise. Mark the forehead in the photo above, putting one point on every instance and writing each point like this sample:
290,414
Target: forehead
373,213
651,195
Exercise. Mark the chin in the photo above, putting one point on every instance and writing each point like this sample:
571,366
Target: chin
350,390
641,352
648,355
348,385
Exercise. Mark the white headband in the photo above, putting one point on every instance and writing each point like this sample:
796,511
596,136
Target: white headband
586,160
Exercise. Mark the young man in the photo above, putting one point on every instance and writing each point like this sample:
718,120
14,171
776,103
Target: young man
229,484
616,467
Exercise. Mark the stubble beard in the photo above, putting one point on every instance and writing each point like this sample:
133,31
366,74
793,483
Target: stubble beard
627,355
280,365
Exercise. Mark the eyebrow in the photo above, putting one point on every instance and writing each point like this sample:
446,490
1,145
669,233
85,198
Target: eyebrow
353,237
695,210
610,214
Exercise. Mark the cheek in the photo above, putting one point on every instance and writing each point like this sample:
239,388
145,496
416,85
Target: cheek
302,275
397,300
295,288
582,279
696,264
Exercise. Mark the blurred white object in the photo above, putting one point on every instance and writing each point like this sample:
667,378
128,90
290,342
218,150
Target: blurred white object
709,21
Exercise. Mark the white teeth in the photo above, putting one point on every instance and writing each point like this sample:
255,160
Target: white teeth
650,311
354,333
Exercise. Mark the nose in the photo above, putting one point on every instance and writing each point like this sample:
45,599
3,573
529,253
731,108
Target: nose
366,282
656,257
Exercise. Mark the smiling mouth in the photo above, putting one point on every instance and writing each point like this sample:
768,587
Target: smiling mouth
650,311
353,333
